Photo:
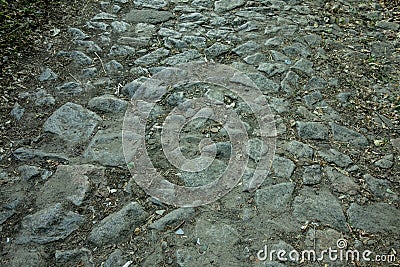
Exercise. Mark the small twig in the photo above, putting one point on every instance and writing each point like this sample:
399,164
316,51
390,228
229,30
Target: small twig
101,61
76,80
179,225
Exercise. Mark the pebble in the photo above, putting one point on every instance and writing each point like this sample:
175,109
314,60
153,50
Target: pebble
47,75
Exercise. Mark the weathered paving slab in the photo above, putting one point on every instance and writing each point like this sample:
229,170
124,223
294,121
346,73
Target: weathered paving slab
119,225
50,224
72,123
328,71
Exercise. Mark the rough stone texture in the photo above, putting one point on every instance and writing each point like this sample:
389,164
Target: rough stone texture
108,104
340,182
226,5
275,198
153,57
386,162
27,154
343,134
312,175
50,224
283,167
106,149
173,218
119,225
72,123
17,112
322,207
82,257
27,256
374,218
69,183
299,149
380,188
115,259
47,75
336,157
312,130
210,174
148,16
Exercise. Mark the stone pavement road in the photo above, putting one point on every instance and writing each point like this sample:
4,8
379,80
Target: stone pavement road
330,73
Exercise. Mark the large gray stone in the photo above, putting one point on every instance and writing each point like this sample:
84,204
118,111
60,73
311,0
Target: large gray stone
119,225
381,188
336,157
227,5
283,167
69,183
152,58
312,130
343,134
47,75
386,162
299,150
108,104
275,198
217,49
106,148
72,123
272,69
174,217
312,175
210,174
183,57
75,257
322,207
48,225
148,16
341,182
374,218
28,154
247,48
156,4
26,256
263,83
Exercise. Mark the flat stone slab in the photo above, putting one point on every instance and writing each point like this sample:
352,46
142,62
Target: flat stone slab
72,123
344,134
322,207
274,198
283,167
174,217
336,157
226,5
50,224
375,218
340,182
312,130
119,225
299,149
106,148
29,154
69,183
148,16
108,104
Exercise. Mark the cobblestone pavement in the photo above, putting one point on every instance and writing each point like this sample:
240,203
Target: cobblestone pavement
329,71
